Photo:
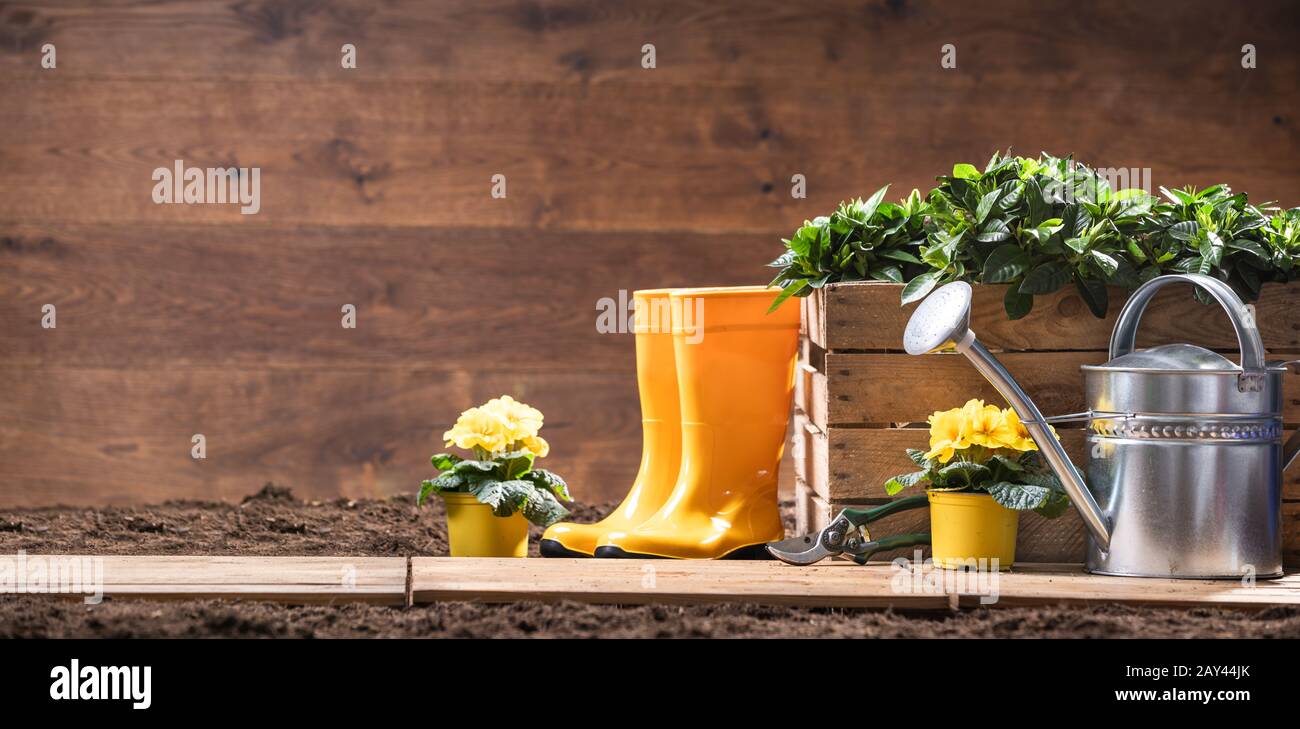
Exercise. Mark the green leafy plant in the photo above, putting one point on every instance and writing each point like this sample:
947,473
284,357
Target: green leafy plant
503,435
869,240
507,482
1038,225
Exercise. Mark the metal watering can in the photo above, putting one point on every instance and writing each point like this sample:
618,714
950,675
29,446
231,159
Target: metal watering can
1186,454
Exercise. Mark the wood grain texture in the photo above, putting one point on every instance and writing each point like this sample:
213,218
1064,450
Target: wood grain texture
376,181
867,316
832,583
857,392
83,436
296,580
483,299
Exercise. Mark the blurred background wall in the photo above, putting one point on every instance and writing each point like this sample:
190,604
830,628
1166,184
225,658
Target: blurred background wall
174,320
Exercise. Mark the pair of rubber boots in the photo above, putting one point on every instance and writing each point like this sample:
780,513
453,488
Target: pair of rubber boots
715,373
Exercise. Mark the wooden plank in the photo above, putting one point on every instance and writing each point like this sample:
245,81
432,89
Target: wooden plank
173,295
867,389
867,316
833,583
600,41
88,436
860,460
278,579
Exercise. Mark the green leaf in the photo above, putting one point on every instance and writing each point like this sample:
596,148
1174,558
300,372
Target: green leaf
1017,305
896,254
1056,505
516,463
1250,246
995,231
1095,294
986,205
918,457
905,480
1018,496
550,481
869,207
541,508
917,288
965,171
445,461
794,287
1045,279
449,481
962,473
1108,265
467,467
1006,263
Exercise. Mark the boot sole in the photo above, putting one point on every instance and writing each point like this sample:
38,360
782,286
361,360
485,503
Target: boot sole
552,548
753,551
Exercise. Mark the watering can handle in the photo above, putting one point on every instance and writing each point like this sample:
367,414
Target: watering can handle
1123,340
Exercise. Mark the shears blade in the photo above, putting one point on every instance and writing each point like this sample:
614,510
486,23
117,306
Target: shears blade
800,551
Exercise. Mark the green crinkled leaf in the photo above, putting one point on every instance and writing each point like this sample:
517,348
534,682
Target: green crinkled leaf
515,463
450,481
542,508
918,457
472,466
961,473
550,481
1056,505
1018,496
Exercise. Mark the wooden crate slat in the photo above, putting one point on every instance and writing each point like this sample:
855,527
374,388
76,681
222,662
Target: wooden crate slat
833,583
281,579
901,388
867,316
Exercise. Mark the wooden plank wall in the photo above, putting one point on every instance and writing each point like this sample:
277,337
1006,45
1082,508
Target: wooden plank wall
178,319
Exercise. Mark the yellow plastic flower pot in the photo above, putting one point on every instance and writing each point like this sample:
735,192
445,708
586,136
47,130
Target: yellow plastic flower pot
474,531
966,528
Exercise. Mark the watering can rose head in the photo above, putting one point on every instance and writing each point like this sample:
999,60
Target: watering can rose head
985,449
503,437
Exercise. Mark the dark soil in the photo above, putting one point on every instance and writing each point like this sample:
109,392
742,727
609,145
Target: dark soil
272,522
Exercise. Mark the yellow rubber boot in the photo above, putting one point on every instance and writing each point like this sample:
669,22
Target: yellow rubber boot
661,433
735,373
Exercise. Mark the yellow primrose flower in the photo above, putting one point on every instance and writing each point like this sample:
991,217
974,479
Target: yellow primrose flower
984,423
478,427
1013,433
521,421
947,434
537,445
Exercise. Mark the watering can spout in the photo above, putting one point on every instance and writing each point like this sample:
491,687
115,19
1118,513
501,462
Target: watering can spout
941,322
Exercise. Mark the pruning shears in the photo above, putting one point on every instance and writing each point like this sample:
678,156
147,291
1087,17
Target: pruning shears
847,534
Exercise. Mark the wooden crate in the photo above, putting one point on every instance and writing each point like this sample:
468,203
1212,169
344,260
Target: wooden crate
860,401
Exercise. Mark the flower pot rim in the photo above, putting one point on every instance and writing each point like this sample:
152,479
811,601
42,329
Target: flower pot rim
461,497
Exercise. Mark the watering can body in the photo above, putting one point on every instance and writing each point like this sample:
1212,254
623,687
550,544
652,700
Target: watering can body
1185,467
1185,451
